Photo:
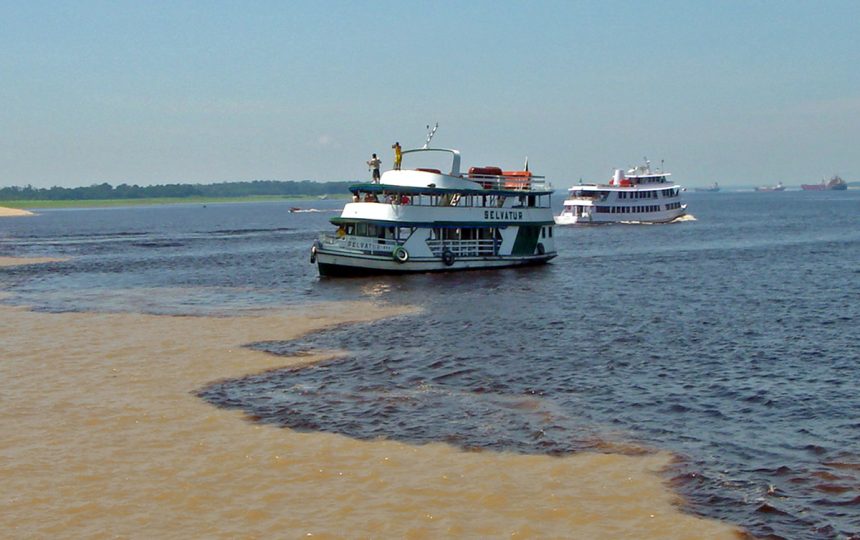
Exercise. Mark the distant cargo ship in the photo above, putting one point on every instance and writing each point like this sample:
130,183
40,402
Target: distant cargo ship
714,187
777,187
835,184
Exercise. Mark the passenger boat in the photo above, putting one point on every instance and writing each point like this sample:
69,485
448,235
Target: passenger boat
638,196
426,220
777,187
835,184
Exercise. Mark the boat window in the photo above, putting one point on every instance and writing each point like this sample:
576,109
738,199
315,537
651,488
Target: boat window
361,229
374,230
550,232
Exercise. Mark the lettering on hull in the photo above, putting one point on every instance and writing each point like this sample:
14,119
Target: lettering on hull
503,215
368,246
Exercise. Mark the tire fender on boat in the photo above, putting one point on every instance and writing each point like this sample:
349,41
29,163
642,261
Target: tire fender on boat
540,249
400,255
447,257
314,249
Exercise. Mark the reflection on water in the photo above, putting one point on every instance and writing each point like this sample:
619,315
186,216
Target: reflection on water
375,290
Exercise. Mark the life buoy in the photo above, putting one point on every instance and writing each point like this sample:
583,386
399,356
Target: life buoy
400,255
540,249
447,257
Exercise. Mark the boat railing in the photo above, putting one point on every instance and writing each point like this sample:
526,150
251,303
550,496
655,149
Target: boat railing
510,182
463,248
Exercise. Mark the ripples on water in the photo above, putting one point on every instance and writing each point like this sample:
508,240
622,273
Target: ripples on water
730,340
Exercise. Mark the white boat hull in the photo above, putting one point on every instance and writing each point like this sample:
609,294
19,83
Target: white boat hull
589,218
341,264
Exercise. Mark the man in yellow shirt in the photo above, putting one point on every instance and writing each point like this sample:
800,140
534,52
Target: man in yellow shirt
398,155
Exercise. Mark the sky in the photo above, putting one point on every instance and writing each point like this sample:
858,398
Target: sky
738,92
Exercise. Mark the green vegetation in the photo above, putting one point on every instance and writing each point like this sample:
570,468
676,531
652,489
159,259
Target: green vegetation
105,194
93,203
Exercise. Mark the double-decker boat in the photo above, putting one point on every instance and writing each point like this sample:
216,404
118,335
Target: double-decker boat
637,196
424,220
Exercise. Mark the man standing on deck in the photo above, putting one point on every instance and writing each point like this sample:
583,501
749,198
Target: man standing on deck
374,163
398,155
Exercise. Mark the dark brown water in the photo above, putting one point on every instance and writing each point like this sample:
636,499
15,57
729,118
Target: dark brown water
730,341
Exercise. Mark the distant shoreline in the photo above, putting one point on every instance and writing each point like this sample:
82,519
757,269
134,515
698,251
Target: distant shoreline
99,203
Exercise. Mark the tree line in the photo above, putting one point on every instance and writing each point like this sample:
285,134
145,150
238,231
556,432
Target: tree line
125,191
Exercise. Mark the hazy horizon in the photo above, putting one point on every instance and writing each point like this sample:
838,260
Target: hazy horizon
734,92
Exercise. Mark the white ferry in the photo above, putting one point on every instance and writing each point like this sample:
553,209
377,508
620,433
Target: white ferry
425,220
639,196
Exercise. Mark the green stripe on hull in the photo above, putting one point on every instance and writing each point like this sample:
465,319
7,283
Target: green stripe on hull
526,241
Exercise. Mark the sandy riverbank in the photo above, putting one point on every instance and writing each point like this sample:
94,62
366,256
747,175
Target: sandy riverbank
19,261
14,212
102,436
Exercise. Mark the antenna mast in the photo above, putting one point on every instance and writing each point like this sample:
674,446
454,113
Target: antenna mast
430,133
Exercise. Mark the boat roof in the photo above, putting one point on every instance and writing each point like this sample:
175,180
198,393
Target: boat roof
483,180
608,187
455,157
646,175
